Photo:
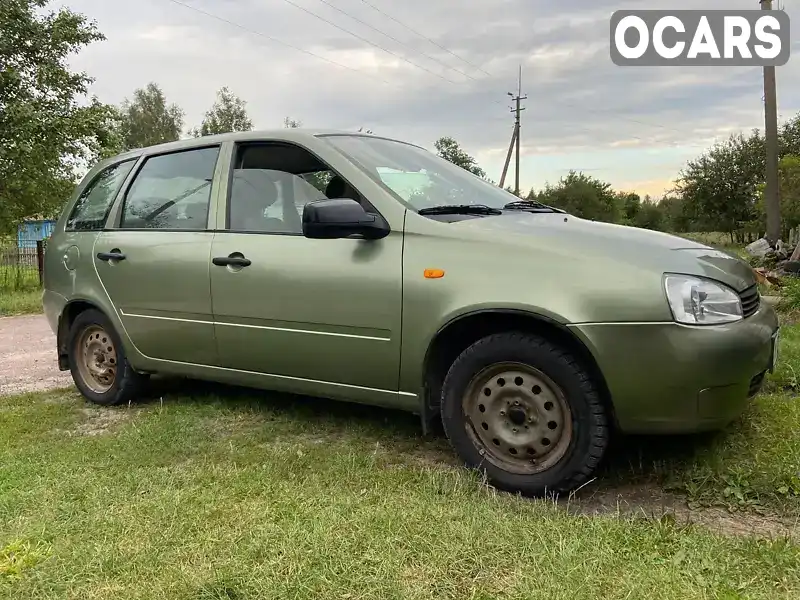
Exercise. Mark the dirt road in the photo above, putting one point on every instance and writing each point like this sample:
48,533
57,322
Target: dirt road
28,356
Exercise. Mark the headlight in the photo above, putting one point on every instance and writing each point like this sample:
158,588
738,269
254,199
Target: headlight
696,301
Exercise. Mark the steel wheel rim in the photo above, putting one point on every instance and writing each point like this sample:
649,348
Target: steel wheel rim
96,358
517,417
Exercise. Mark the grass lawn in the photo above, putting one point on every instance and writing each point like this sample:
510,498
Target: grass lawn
20,292
257,496
20,302
752,466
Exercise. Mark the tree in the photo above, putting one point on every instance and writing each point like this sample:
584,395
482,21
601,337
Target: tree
720,190
320,179
789,187
448,149
583,196
49,128
720,187
227,114
673,216
789,179
650,215
789,137
628,206
148,119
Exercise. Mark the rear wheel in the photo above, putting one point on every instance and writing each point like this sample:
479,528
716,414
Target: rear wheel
522,410
97,361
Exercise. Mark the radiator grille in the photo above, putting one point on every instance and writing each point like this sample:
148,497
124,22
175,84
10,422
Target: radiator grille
750,301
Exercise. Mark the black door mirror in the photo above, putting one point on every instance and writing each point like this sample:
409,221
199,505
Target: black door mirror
341,218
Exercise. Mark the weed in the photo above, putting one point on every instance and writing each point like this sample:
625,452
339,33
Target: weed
19,556
790,294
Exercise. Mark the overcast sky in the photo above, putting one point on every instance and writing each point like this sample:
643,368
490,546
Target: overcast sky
633,127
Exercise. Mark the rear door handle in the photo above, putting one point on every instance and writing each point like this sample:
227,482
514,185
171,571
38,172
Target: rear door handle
113,255
233,260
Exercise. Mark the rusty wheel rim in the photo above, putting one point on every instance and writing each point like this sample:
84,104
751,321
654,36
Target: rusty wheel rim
96,359
518,418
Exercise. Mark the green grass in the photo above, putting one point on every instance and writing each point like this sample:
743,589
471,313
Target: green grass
753,465
14,277
22,302
20,291
257,496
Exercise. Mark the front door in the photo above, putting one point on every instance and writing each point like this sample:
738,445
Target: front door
314,315
155,264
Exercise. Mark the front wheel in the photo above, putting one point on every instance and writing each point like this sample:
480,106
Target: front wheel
97,361
522,410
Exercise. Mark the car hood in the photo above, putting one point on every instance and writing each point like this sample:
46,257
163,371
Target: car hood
566,234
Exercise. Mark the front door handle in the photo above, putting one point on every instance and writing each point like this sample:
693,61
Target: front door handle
115,254
232,260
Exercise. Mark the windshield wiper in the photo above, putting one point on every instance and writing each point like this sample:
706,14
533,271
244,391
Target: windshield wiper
460,209
531,205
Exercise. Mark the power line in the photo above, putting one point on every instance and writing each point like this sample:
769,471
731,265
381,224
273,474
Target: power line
363,39
434,42
394,39
277,41
599,111
364,73
412,30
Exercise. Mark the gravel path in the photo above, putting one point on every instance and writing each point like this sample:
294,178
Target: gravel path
28,360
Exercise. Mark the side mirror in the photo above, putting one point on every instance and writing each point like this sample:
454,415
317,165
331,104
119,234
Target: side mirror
341,218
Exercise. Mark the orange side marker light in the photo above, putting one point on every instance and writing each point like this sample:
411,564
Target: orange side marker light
433,273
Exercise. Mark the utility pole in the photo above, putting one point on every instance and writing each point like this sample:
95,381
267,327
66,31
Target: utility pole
508,156
772,193
515,136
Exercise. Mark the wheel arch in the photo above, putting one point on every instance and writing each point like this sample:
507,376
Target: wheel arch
68,315
463,330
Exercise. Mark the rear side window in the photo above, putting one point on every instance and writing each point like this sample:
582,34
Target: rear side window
171,191
94,203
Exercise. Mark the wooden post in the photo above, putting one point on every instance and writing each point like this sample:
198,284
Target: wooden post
40,260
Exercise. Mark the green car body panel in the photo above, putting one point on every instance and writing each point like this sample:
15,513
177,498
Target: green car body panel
356,319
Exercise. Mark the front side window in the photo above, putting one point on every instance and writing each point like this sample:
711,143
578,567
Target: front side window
171,191
93,205
416,176
271,183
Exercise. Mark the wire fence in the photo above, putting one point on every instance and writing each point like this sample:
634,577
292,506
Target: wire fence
21,264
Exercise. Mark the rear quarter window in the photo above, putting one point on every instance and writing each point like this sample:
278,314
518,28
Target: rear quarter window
93,205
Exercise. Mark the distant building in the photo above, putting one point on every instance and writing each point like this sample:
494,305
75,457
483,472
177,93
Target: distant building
29,232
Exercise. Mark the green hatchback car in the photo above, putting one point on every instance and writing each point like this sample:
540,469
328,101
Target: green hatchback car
360,268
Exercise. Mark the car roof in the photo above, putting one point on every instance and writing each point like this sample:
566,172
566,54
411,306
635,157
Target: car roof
288,134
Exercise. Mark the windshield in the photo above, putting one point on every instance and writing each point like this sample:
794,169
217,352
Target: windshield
419,178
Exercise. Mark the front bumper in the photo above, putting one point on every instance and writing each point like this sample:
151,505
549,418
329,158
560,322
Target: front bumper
671,378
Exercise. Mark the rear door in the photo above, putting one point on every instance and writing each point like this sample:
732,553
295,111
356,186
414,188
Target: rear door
154,264
69,267
318,316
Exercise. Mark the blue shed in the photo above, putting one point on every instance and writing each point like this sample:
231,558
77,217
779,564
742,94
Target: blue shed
29,232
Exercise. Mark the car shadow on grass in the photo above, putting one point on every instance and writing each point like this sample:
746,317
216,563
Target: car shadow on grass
641,476
629,459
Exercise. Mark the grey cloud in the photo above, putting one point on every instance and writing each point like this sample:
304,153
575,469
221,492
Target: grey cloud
577,98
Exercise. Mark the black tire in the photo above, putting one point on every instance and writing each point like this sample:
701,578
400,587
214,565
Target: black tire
580,453
127,384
